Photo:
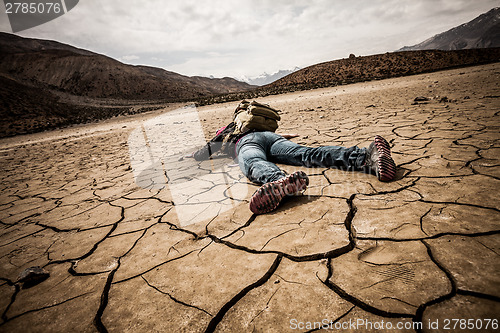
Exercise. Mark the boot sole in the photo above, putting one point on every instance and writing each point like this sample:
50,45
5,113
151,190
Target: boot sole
269,196
386,165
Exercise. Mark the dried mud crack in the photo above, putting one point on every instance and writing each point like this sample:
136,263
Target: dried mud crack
127,253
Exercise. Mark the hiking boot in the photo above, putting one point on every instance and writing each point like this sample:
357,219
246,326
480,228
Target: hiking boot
268,197
379,160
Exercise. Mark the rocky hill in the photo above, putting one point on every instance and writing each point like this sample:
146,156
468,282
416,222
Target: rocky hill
25,109
358,69
52,65
380,66
45,84
483,31
39,80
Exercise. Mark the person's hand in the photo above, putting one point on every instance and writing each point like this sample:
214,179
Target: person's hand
289,135
186,156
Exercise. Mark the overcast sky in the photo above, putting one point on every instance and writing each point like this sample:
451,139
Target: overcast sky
244,37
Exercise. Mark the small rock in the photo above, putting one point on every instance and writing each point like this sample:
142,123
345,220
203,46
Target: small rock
32,276
420,99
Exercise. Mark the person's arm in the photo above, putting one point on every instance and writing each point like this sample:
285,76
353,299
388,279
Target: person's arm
207,150
213,145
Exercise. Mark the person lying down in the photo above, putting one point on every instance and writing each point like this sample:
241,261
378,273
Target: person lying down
251,139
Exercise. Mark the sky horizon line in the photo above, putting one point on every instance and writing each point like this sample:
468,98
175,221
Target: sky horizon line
247,38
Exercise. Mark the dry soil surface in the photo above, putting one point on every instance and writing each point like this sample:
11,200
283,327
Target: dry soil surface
135,238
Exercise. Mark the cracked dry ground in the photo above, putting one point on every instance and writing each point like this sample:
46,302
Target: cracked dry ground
423,247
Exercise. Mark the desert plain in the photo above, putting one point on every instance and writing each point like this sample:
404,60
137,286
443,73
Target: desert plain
137,238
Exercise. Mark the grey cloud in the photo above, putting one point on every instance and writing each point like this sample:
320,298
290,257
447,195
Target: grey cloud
229,37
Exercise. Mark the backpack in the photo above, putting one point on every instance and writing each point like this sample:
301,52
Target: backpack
248,116
254,116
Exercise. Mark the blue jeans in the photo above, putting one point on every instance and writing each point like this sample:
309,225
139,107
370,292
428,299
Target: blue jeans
258,151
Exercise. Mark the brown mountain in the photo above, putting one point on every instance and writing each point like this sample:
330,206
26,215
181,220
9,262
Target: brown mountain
46,84
53,65
380,66
481,32
25,109
358,69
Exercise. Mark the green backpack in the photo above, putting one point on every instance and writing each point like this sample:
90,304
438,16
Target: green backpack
250,116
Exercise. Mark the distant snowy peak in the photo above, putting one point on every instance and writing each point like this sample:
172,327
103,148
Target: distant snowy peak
265,78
